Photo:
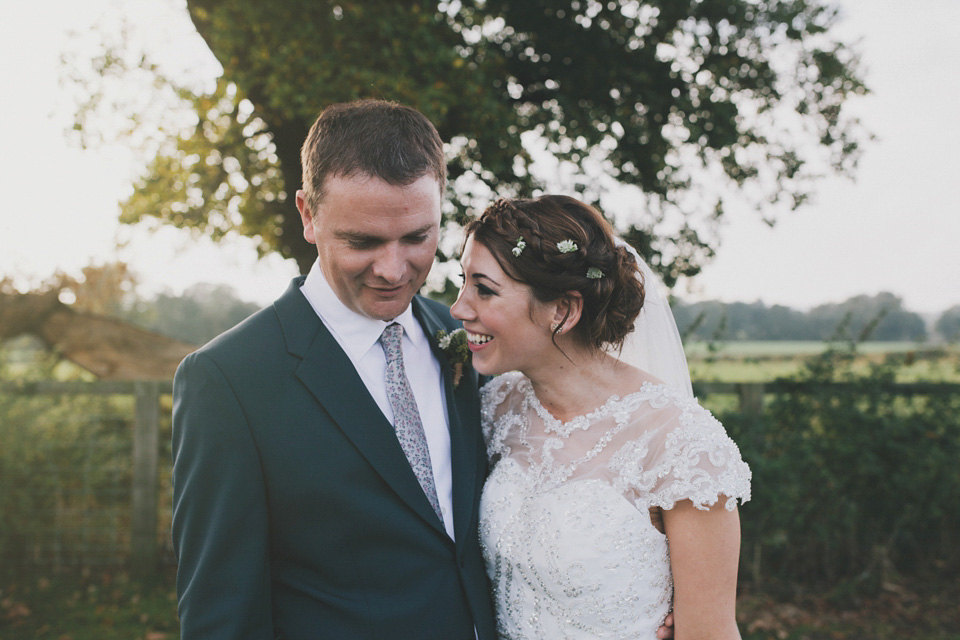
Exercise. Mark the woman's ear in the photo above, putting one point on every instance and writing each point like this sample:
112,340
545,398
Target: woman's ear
567,311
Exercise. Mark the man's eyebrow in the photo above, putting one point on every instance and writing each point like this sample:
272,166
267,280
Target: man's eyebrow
425,229
356,236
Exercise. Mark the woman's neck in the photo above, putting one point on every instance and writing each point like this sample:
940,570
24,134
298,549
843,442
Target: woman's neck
572,387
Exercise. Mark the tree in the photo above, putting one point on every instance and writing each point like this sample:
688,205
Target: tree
879,317
103,289
714,320
200,314
687,103
948,324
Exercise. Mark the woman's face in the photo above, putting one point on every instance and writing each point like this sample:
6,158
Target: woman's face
507,328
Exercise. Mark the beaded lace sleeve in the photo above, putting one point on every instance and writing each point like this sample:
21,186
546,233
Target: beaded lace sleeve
498,397
687,457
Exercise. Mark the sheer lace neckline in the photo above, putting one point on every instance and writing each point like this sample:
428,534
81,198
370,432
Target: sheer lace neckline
582,422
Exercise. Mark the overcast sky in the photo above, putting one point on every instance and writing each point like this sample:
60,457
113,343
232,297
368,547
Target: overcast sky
896,228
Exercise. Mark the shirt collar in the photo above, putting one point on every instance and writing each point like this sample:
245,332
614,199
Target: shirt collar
355,332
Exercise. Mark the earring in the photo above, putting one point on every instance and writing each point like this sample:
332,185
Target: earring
555,328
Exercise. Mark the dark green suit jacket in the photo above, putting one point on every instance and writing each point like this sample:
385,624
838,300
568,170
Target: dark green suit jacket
296,514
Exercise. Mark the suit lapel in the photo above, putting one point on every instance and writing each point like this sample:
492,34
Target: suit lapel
326,371
461,407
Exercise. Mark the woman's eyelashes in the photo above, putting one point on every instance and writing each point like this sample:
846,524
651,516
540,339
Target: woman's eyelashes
482,290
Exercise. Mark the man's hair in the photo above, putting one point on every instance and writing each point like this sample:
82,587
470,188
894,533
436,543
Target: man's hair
382,139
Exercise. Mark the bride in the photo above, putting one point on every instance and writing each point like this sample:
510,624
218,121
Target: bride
612,494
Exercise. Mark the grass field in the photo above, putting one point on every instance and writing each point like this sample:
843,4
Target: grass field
762,361
795,348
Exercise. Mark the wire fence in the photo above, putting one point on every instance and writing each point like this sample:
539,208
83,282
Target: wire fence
80,479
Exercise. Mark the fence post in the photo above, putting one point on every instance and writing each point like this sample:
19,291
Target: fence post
751,397
146,439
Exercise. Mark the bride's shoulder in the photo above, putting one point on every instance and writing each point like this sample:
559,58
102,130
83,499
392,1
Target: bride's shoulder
653,391
685,406
662,407
676,422
681,451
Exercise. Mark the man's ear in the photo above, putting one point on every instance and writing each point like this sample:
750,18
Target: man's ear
568,310
306,217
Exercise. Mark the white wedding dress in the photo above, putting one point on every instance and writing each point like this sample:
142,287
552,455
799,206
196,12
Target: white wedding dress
564,518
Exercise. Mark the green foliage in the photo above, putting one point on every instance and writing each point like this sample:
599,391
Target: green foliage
948,324
879,317
454,345
64,480
221,176
853,484
685,101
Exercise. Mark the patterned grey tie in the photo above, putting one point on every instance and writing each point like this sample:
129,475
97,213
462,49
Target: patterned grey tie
406,416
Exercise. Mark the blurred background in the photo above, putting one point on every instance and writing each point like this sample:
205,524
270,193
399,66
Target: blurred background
787,167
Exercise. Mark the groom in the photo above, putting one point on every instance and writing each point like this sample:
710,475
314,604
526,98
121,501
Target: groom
327,469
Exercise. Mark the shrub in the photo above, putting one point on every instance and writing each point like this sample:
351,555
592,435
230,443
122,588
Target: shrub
854,482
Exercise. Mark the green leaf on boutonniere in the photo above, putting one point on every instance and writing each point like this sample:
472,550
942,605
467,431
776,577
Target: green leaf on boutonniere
454,346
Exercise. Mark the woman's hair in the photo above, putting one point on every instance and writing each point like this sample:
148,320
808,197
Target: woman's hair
523,235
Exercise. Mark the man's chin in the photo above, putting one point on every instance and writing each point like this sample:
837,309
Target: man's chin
386,309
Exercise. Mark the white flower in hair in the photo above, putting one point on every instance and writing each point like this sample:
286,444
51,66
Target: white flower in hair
521,245
567,246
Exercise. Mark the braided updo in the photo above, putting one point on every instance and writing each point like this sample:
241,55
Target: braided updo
523,234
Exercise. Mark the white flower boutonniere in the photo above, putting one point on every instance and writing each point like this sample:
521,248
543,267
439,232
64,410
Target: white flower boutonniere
454,346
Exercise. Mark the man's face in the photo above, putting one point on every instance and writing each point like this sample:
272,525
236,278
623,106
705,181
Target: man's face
376,241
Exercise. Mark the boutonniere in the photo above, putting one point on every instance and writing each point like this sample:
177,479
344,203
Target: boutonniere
454,346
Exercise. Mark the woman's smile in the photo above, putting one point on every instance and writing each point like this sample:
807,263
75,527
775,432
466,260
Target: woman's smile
477,340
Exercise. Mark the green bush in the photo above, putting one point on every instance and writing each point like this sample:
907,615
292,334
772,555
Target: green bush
854,483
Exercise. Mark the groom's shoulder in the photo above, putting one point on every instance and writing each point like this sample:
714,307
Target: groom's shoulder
434,305
438,310
257,331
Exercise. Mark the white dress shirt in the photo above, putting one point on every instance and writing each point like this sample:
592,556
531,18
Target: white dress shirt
359,337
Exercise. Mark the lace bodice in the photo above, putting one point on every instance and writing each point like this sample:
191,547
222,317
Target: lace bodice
564,518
